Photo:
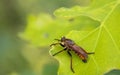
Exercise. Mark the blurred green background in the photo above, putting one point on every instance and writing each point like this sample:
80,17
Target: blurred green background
18,57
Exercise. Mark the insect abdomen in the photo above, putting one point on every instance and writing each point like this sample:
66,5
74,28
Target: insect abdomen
80,52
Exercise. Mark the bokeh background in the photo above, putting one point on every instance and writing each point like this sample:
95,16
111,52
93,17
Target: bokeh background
18,57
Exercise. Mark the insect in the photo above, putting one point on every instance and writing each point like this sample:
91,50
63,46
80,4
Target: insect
69,45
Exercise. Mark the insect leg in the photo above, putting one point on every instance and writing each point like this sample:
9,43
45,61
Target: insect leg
59,52
91,53
54,44
71,61
62,45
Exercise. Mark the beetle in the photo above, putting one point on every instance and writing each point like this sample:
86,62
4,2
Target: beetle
70,45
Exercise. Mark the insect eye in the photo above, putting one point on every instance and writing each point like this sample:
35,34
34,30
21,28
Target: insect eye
63,38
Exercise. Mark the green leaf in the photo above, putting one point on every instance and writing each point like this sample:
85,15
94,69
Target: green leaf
42,29
97,10
104,41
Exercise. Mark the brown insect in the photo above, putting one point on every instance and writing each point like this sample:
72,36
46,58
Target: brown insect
69,45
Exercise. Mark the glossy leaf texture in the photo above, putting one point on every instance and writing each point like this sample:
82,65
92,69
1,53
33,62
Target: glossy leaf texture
103,40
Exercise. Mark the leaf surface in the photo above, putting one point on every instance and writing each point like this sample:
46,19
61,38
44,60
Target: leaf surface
97,10
42,29
104,41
